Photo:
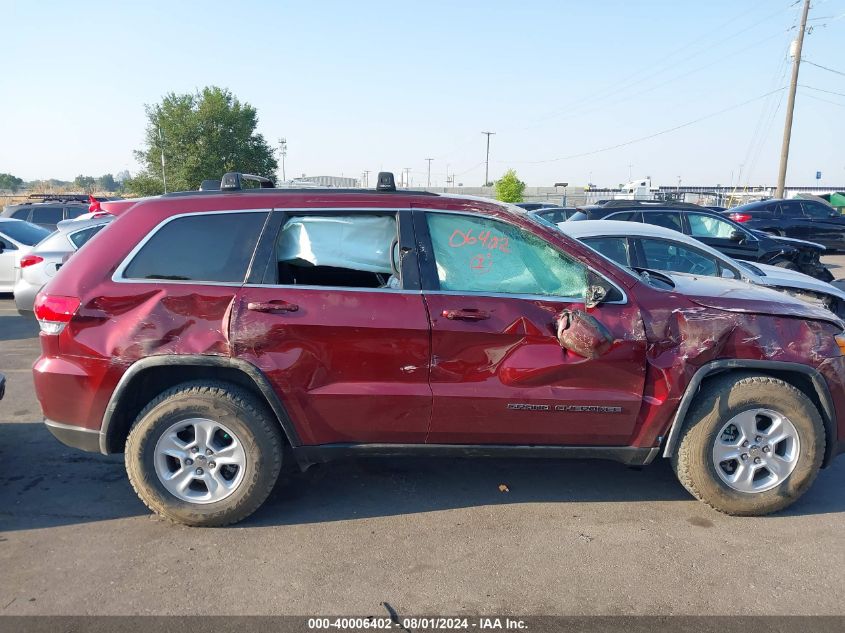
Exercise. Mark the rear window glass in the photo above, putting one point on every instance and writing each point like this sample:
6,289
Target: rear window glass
203,247
47,215
24,232
80,237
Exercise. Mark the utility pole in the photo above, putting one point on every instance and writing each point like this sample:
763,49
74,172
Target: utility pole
283,150
790,104
487,160
366,178
161,144
429,172
407,171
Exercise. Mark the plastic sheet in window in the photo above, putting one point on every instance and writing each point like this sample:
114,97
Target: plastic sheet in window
356,242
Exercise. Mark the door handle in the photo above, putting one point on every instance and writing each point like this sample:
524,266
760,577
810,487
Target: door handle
272,306
466,314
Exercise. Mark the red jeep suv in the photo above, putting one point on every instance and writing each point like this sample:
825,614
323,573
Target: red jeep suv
214,335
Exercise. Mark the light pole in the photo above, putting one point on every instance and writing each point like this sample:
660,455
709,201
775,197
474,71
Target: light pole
283,149
428,185
487,160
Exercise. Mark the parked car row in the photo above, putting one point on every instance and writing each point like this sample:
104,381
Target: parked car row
215,337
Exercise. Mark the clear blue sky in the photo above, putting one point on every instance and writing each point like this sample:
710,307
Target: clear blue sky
383,85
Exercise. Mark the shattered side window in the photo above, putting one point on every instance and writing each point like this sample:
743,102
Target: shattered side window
475,254
357,251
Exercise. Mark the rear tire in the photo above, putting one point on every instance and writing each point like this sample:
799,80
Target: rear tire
762,476
174,446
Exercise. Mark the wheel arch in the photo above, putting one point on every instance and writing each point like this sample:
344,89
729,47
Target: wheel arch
803,377
150,376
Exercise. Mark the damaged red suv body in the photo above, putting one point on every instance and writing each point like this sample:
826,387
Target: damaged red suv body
213,335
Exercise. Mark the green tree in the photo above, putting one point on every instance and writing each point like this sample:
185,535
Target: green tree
204,135
85,183
509,188
106,182
8,181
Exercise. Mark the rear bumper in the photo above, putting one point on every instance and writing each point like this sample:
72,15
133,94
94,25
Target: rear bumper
75,436
25,296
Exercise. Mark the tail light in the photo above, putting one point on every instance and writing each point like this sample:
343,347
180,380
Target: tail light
54,312
30,260
739,217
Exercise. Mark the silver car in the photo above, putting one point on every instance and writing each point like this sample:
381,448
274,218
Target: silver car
44,260
17,238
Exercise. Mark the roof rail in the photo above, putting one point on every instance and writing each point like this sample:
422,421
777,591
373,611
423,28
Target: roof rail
233,181
645,204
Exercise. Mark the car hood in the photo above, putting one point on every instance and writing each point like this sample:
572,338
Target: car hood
734,295
790,241
785,278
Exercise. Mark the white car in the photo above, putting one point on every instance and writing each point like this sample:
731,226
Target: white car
637,245
44,260
17,238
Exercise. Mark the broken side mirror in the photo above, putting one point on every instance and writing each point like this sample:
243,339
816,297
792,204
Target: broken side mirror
597,290
583,334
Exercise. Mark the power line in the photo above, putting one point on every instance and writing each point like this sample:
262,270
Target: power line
650,136
830,92
838,72
836,103
667,62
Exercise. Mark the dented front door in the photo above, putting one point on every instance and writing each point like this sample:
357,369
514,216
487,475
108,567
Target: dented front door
499,374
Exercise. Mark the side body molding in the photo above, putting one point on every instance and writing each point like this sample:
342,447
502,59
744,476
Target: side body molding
828,412
174,360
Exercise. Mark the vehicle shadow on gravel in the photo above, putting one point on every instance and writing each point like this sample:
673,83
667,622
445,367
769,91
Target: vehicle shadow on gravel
44,484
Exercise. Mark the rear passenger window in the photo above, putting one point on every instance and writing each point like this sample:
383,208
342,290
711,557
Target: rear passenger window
666,219
75,212
21,214
346,251
47,215
202,247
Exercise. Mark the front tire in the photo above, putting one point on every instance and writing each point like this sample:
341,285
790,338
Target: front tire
204,454
751,445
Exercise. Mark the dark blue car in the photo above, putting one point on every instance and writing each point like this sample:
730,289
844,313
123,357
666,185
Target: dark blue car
800,219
